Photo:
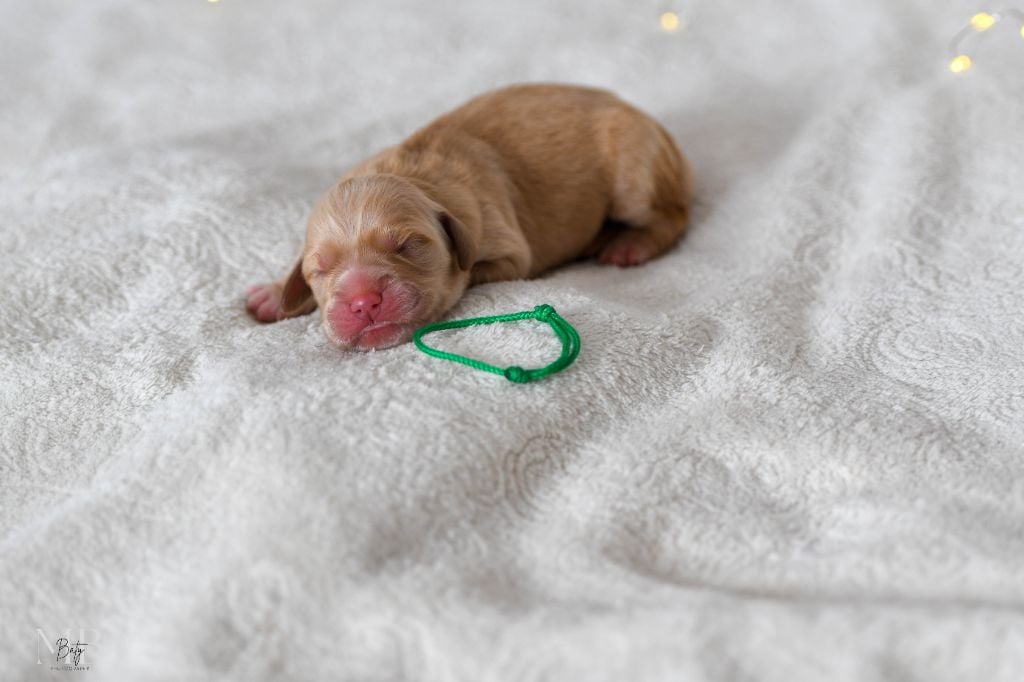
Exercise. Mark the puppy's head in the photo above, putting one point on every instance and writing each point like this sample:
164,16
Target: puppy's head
381,258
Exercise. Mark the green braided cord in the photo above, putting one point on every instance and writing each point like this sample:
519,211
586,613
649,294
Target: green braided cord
545,313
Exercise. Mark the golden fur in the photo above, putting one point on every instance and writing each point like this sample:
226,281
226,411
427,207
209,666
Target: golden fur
507,186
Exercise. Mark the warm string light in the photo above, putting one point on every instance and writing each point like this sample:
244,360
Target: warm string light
979,23
670,22
982,21
960,63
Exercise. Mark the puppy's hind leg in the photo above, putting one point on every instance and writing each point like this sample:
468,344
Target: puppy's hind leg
651,191
641,243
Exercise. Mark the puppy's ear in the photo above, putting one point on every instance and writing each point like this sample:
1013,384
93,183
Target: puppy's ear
296,296
459,239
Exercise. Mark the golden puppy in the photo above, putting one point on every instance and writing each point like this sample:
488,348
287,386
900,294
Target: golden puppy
507,186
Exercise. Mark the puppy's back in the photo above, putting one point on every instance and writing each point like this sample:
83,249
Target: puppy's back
543,166
554,153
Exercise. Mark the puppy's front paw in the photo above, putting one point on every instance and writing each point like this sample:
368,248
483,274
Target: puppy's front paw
263,302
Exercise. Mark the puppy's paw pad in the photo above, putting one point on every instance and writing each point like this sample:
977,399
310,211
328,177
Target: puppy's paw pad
263,302
626,251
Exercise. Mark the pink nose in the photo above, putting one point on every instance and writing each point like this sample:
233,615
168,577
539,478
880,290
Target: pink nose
365,306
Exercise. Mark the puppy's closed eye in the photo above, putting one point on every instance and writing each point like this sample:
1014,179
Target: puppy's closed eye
411,245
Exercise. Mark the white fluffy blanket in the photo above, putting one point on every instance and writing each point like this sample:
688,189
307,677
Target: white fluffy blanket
793,449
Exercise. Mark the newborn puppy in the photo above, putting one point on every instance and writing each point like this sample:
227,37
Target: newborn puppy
507,186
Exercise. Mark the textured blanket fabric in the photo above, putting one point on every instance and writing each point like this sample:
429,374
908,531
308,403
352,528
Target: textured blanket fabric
792,449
